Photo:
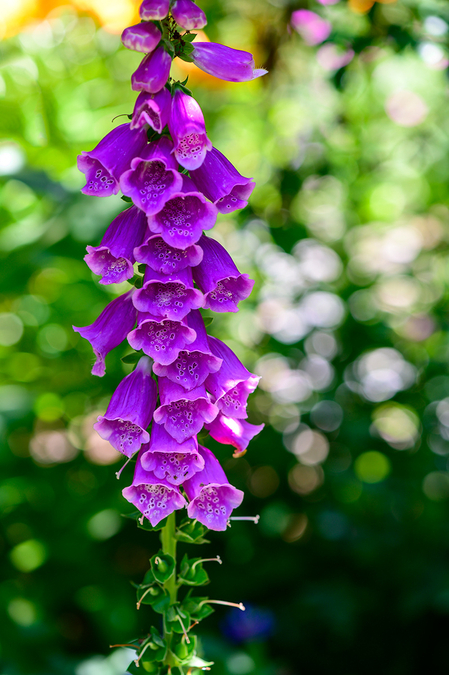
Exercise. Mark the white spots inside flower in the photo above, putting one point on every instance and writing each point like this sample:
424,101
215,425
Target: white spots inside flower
154,501
127,436
182,417
178,215
98,179
160,336
210,505
224,291
169,296
169,259
150,180
176,467
231,401
190,147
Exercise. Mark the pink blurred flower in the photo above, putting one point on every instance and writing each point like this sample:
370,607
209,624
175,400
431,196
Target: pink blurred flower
332,57
312,28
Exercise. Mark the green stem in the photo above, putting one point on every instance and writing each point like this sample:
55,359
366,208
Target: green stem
169,546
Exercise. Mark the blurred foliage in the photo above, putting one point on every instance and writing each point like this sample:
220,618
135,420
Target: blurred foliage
346,235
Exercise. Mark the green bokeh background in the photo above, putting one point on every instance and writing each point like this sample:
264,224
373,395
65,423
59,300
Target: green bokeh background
346,235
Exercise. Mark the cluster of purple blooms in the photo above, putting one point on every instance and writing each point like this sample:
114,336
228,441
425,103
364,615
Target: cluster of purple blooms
178,183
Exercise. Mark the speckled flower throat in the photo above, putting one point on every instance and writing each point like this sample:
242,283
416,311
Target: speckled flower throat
176,183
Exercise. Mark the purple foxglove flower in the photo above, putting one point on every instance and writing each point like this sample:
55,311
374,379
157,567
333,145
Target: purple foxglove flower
194,364
220,182
162,340
165,259
311,27
110,329
232,384
104,165
232,65
188,15
183,413
188,131
212,498
144,37
153,177
152,109
170,460
168,296
219,279
154,10
184,216
154,497
130,410
230,431
114,258
152,73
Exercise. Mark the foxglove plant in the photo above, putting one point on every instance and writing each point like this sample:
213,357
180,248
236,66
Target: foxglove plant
184,381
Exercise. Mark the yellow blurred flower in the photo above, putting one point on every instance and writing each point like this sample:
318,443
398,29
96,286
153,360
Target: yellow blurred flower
363,6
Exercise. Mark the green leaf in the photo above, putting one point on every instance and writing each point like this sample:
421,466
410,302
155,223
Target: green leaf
189,37
186,58
192,572
195,607
162,566
146,525
126,199
149,578
141,268
208,320
131,358
191,532
136,281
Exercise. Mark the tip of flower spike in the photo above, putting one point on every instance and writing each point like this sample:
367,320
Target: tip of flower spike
259,72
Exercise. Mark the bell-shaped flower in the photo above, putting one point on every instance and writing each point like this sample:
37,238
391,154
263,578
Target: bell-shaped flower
220,182
211,497
311,27
193,364
144,37
183,413
168,296
154,10
153,177
113,259
232,384
152,73
104,165
154,497
219,279
152,109
188,131
130,410
183,217
232,65
170,460
231,431
110,329
188,15
162,340
165,259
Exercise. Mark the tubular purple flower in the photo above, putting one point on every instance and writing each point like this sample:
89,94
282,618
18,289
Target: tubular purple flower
220,182
110,329
165,259
152,73
187,128
194,364
144,37
114,258
130,410
230,431
232,65
312,28
154,497
162,340
184,216
169,297
104,165
188,15
219,279
212,498
153,177
172,461
152,109
183,413
154,10
232,384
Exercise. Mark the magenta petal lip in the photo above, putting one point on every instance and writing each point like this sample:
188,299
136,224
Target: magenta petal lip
171,297
152,109
161,339
165,259
188,131
183,413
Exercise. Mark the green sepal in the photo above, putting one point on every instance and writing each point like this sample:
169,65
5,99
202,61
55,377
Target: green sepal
182,650
141,268
168,46
156,596
157,649
131,358
124,197
197,662
133,669
148,578
145,525
175,614
191,532
185,57
207,320
188,37
162,566
136,281
192,575
193,606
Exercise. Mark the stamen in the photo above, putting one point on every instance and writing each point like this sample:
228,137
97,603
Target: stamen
136,661
183,628
139,602
217,559
119,473
255,519
239,605
157,560
132,646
